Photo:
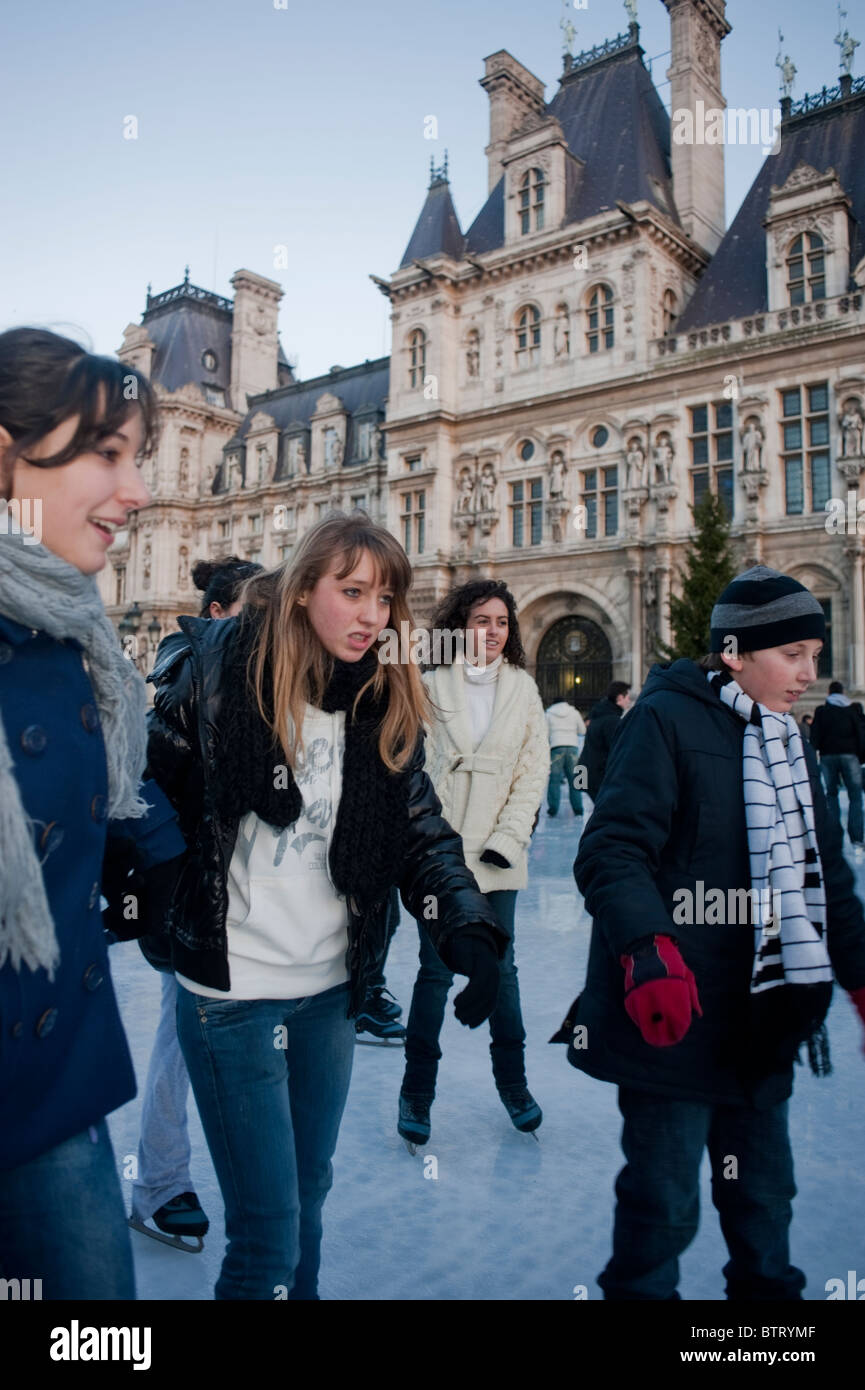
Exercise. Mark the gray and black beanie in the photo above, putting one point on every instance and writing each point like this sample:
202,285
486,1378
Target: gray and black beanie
762,608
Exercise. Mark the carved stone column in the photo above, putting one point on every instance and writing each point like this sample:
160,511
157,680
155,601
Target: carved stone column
663,590
856,552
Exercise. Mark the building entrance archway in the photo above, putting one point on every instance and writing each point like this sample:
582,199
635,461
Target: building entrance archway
574,659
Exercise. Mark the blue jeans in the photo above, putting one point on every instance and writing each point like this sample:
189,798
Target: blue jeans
62,1220
564,759
271,1079
507,1048
163,1145
658,1192
846,768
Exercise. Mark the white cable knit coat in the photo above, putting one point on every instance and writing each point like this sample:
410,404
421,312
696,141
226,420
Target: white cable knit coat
489,794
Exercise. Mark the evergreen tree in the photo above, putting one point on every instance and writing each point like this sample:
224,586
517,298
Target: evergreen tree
709,567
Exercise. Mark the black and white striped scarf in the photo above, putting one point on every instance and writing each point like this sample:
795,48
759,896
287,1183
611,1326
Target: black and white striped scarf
782,847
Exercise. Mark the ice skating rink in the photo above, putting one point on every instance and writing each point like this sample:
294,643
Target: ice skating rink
505,1217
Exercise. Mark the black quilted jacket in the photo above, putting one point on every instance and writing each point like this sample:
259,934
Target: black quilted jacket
183,757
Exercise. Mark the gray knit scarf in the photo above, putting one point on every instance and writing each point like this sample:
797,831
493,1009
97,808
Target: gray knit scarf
43,592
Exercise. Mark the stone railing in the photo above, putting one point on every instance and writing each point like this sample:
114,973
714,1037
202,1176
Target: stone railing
756,326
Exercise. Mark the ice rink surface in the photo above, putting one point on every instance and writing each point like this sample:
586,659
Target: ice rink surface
506,1217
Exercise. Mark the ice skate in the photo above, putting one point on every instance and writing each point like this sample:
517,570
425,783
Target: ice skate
178,1222
377,1022
522,1107
413,1124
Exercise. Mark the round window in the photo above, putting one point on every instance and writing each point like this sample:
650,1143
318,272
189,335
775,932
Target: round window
527,449
600,436
209,360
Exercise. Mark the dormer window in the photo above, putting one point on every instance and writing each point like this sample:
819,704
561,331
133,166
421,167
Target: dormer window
417,358
532,188
528,335
600,334
806,268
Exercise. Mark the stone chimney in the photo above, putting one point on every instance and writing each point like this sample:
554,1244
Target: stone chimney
254,344
514,94
696,30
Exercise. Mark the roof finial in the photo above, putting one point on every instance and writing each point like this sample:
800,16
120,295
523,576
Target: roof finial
786,67
446,164
186,275
568,30
631,7
846,44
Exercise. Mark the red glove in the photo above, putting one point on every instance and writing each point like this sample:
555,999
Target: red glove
660,990
858,997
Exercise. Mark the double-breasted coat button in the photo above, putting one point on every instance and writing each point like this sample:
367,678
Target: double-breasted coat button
6,653
46,1023
93,977
51,838
17,1028
33,740
94,897
99,807
90,718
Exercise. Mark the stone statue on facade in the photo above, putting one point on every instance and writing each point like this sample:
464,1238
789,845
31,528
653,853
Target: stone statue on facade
183,470
635,461
852,426
631,7
487,488
663,460
562,333
844,41
466,492
752,445
473,357
786,67
557,474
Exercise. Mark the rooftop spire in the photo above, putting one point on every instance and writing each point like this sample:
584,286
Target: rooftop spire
440,174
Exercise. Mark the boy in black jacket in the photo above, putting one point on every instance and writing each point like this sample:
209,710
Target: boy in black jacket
723,909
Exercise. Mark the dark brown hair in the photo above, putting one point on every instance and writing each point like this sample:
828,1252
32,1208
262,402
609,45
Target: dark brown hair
453,613
46,379
220,580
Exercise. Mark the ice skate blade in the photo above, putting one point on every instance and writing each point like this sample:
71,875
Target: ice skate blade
177,1242
412,1148
380,1042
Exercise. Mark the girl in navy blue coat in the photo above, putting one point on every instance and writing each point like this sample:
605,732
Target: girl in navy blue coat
723,911
72,750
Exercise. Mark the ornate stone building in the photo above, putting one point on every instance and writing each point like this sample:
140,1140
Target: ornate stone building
567,376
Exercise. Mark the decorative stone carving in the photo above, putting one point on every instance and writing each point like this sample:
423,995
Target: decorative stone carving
562,332
487,488
752,445
635,461
663,458
852,425
557,474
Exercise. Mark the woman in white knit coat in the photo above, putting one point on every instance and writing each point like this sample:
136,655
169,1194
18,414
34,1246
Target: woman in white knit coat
488,757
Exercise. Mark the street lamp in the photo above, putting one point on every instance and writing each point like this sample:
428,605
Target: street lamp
136,645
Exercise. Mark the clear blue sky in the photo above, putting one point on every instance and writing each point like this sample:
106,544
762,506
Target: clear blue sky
301,126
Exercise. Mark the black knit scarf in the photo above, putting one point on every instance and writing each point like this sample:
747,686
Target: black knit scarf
369,837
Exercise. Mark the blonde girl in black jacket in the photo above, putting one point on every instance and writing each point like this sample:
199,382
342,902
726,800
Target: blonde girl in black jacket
295,759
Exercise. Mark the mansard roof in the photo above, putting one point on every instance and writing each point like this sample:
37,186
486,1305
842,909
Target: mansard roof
437,230
825,135
364,385
184,322
614,122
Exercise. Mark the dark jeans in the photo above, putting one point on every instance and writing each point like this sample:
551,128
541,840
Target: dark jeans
270,1077
658,1207
507,1048
62,1220
564,759
846,768
377,980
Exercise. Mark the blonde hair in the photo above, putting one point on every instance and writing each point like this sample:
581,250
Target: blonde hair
301,667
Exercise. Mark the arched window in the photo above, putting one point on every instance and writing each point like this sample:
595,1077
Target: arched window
417,358
473,353
806,268
670,309
599,319
528,335
532,187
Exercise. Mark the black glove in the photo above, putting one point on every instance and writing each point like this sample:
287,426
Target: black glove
492,856
474,955
138,903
